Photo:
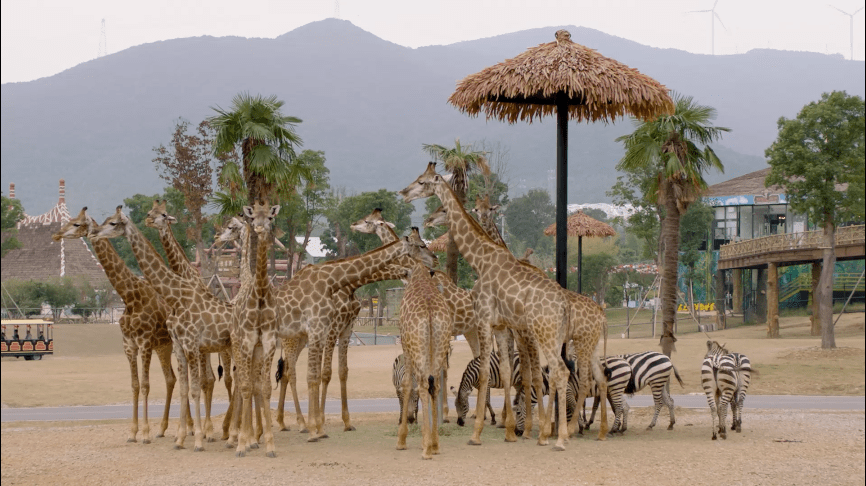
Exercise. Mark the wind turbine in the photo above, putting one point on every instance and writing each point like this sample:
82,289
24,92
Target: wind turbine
851,16
713,17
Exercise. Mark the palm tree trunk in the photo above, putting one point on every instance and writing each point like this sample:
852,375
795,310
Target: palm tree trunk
825,285
671,237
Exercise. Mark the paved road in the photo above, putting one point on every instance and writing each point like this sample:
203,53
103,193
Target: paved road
107,412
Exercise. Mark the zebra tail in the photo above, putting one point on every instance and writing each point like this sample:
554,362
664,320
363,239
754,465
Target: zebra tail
749,369
280,364
677,374
430,387
631,387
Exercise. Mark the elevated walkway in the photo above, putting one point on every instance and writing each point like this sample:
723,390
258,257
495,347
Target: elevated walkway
792,249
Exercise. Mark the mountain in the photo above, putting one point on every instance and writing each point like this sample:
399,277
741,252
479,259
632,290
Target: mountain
368,104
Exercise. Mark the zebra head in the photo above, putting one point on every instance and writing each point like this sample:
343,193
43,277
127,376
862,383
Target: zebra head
461,403
715,349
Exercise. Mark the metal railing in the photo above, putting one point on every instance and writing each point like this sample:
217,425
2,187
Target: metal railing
847,235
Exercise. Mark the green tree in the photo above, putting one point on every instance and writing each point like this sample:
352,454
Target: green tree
527,216
304,209
694,225
342,242
818,159
595,274
12,214
460,161
676,148
22,295
635,188
266,140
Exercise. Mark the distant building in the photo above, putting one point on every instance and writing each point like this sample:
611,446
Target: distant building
41,258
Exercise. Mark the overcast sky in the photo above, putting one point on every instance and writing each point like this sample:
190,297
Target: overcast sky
42,38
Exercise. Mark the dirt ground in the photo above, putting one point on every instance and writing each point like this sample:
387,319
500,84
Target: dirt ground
775,447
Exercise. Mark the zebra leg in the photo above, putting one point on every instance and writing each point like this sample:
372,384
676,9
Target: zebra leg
669,401
658,392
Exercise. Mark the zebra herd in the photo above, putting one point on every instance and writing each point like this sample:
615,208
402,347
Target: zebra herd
725,377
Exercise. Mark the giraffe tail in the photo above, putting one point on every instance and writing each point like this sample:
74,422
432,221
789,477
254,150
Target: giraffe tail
219,368
430,387
280,366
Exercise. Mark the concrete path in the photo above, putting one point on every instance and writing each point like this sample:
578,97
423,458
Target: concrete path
109,412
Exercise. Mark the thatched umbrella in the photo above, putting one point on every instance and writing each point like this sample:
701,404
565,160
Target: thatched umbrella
568,79
580,225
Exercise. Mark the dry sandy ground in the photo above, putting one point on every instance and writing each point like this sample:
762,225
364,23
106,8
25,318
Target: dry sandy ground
787,447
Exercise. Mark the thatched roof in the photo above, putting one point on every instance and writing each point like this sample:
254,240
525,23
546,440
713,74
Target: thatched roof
439,244
579,224
528,86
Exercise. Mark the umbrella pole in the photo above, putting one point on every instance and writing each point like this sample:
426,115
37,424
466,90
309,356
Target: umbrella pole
580,264
561,190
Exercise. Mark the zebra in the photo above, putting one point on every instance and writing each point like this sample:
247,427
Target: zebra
654,369
520,404
618,378
401,367
470,382
725,377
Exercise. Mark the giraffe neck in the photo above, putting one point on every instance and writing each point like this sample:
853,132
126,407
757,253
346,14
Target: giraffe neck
346,272
386,234
389,272
471,240
262,283
151,264
449,288
119,275
246,275
492,231
177,259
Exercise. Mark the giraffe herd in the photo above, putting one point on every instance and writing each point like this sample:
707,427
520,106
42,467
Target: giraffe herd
513,303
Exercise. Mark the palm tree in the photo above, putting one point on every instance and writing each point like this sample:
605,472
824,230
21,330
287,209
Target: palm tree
267,142
460,161
671,145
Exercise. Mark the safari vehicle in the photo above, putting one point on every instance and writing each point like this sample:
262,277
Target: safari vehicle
37,339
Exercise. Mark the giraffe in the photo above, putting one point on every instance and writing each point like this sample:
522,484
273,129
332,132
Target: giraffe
588,322
425,331
253,335
375,223
307,307
159,219
509,294
142,324
199,322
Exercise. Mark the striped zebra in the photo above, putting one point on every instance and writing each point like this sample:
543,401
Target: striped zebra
725,377
653,369
520,404
400,368
617,381
470,382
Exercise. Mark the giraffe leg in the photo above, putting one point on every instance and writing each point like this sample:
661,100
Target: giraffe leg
164,355
601,384
145,393
209,383
428,416
132,356
486,345
183,372
327,371
195,385
226,359
265,360
314,375
243,361
344,376
505,375
236,407
281,404
405,398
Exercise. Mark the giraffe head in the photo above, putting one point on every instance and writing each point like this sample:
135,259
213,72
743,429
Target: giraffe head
483,209
233,231
157,217
113,226
437,218
419,250
372,223
262,217
79,227
423,185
